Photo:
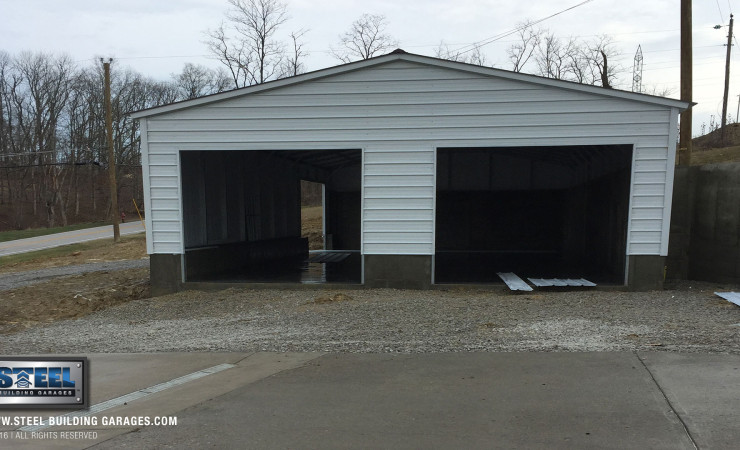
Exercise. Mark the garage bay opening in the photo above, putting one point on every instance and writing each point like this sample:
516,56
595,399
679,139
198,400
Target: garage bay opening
541,212
289,216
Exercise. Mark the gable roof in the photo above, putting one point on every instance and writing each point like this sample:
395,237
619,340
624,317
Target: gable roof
400,55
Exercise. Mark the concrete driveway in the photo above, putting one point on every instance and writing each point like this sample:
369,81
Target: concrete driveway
66,238
442,400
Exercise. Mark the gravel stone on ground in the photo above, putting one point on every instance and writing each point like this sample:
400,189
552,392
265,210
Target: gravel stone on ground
14,280
689,318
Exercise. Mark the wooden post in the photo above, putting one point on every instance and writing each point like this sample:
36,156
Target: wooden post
684,153
727,81
111,154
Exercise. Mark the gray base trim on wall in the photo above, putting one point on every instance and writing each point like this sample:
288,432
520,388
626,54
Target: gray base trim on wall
165,274
398,271
646,272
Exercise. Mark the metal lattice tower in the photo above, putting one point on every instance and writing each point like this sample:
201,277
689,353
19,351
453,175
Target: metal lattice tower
637,71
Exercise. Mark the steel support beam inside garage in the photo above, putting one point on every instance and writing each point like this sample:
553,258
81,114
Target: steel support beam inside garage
242,215
543,212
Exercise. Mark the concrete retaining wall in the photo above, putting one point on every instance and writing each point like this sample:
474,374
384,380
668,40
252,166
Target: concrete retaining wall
705,225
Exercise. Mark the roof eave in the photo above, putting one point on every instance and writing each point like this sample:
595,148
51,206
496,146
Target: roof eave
562,84
269,85
454,65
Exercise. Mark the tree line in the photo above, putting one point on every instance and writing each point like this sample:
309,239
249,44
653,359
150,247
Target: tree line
52,128
52,125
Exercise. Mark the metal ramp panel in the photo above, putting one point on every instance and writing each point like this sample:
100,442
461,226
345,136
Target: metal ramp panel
514,282
732,297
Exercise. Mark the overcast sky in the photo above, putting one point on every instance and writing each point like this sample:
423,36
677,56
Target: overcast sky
156,37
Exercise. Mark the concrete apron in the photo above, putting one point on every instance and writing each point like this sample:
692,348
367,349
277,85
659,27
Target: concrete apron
115,375
477,400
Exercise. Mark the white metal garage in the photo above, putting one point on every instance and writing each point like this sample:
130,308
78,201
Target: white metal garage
398,110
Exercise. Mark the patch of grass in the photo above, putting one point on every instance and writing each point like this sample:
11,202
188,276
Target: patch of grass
64,251
23,234
48,253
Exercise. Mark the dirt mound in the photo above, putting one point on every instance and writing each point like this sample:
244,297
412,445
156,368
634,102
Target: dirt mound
71,297
713,139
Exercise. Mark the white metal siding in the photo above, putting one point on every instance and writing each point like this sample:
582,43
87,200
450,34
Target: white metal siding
399,113
163,205
398,192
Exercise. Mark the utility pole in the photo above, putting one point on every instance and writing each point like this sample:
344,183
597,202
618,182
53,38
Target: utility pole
727,80
111,153
684,153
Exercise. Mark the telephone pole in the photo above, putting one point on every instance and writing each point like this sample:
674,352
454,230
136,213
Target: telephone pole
111,153
684,153
727,80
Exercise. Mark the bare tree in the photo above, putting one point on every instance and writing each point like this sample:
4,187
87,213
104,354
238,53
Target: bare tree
658,91
248,46
577,66
196,81
293,63
366,38
231,53
521,51
598,53
46,80
553,56
467,55
590,62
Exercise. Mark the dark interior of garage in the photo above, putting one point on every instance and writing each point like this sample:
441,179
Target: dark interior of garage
242,216
540,212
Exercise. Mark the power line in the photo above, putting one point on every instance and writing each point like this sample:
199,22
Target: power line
28,153
720,11
166,57
464,44
487,41
678,49
26,166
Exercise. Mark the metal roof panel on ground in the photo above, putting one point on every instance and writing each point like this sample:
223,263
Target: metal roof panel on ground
514,282
545,282
732,297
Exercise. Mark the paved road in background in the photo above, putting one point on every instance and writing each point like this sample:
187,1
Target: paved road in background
66,238
267,400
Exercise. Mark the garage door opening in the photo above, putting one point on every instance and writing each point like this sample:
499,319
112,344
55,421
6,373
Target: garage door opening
540,212
244,216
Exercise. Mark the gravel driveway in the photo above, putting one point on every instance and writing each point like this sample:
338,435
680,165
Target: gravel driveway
15,280
688,319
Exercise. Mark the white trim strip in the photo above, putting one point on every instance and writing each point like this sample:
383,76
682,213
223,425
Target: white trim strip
670,178
136,395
